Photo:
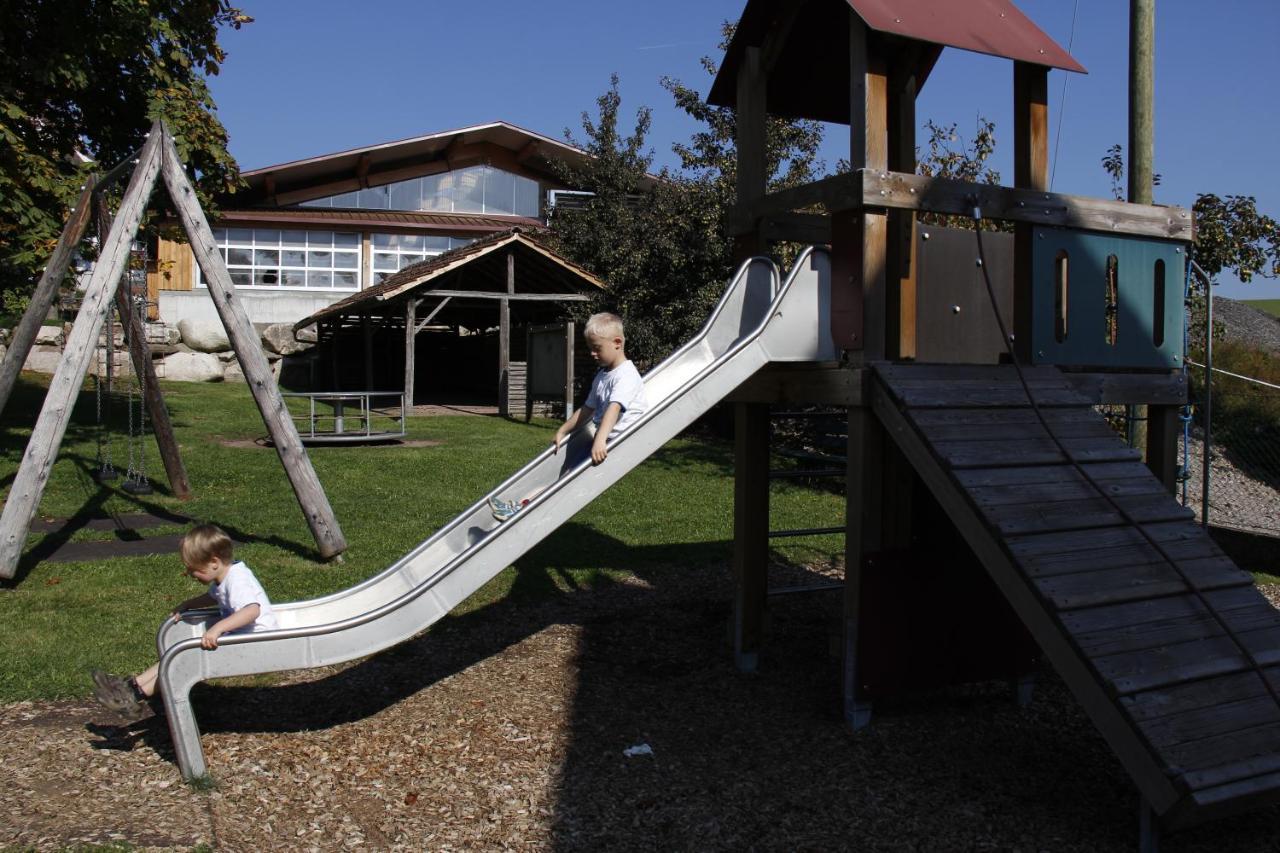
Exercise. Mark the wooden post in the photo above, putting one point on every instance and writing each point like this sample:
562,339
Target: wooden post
858,236
51,425
569,339
750,531
410,347
751,421
863,521
1162,444
24,334
751,137
1030,171
257,372
144,368
504,340
366,335
901,249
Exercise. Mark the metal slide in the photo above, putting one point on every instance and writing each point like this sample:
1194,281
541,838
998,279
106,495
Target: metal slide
755,323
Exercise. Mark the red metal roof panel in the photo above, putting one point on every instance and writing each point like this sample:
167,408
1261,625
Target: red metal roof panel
995,27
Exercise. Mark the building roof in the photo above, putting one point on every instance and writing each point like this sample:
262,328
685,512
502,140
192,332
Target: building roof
539,269
376,220
502,144
817,46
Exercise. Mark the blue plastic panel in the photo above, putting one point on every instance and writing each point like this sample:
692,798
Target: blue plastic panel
1086,343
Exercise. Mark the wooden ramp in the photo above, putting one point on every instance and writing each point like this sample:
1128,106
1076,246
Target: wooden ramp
1171,690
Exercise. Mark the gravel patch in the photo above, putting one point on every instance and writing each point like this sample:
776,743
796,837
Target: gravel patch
508,729
1244,323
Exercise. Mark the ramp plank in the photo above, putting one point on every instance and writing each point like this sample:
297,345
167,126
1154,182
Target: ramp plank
1127,622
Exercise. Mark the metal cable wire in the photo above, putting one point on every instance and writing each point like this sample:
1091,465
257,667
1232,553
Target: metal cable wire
1129,519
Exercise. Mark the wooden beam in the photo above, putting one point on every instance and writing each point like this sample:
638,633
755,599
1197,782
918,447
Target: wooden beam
750,531
24,334
1168,389
373,179
528,151
807,228
1028,205
362,170
434,311
514,297
51,425
248,349
898,190
828,384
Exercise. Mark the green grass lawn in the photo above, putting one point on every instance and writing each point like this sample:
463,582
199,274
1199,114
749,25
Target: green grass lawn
1271,306
671,516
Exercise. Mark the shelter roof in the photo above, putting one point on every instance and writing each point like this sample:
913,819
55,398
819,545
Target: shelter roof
810,78
540,269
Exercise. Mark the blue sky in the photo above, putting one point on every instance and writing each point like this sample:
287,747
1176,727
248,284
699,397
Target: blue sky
320,76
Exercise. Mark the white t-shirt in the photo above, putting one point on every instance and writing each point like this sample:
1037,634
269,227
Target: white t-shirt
623,386
237,591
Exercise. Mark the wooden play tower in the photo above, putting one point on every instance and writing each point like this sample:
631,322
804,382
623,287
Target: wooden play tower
1080,552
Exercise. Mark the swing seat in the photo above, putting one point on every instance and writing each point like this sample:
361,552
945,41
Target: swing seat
103,475
137,487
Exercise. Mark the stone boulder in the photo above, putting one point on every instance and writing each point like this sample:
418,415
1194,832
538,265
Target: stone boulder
50,336
191,367
279,338
204,335
43,359
162,334
307,334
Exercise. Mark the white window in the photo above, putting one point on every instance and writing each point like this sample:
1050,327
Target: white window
288,259
475,189
394,252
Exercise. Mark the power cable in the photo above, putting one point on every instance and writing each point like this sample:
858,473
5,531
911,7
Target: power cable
1062,106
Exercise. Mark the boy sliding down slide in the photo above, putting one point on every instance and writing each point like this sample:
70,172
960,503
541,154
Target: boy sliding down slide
616,401
242,607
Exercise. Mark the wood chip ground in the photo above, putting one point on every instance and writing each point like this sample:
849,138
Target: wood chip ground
506,730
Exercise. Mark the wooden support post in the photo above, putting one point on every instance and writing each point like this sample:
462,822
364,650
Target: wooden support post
24,334
1030,171
569,340
257,372
410,348
366,335
1148,827
859,237
863,522
751,138
504,341
51,425
900,306
1162,444
750,531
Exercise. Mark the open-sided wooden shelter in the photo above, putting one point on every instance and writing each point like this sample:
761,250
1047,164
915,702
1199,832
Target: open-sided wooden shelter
507,282
1164,642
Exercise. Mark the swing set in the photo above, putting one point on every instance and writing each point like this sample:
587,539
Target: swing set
103,294
135,476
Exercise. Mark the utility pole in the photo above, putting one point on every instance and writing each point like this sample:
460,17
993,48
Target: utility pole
1142,51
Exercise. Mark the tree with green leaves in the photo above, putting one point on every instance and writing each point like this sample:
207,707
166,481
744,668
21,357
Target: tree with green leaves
1230,232
81,82
664,252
